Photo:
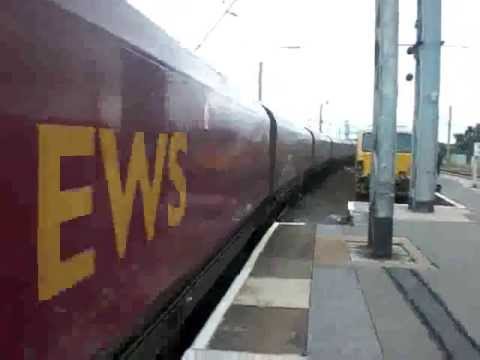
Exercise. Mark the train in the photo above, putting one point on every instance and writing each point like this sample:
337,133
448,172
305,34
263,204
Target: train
364,161
132,174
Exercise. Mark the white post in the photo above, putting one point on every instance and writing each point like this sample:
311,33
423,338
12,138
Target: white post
474,172
449,133
476,157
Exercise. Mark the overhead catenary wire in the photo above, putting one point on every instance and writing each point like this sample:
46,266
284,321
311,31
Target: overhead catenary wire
212,29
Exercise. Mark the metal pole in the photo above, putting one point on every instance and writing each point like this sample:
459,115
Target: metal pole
260,80
474,171
425,128
382,185
475,158
449,132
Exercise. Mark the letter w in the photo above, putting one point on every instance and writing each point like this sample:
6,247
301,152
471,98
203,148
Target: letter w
121,198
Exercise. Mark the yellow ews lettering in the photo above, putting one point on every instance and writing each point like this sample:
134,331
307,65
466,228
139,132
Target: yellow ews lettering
121,197
56,207
178,143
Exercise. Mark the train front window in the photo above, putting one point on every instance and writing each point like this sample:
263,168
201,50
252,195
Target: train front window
404,142
367,142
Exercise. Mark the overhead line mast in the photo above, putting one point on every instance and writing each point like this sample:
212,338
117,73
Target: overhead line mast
382,182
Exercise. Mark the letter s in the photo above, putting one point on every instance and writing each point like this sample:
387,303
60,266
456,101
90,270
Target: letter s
178,143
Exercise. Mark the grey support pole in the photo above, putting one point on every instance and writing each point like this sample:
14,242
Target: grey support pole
425,127
382,183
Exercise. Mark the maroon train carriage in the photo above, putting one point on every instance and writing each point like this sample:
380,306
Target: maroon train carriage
128,170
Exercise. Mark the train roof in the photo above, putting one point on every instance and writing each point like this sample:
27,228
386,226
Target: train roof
127,23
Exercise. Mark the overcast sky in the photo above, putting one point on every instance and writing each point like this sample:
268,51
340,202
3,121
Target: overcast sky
335,61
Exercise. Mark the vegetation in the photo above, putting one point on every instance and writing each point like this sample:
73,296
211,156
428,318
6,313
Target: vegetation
465,141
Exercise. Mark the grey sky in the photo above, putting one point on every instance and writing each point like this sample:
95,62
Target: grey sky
335,62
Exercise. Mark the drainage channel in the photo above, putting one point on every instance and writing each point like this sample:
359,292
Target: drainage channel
449,334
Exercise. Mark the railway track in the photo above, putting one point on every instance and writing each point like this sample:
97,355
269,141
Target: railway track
463,174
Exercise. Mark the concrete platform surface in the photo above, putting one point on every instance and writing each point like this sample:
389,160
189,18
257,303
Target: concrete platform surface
262,330
275,292
236,355
359,211
339,323
306,293
265,316
460,190
337,313
400,333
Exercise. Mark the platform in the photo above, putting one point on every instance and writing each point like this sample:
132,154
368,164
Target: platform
310,291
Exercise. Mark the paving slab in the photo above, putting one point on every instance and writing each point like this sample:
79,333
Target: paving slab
291,242
339,321
330,247
282,268
402,335
274,292
209,354
262,330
